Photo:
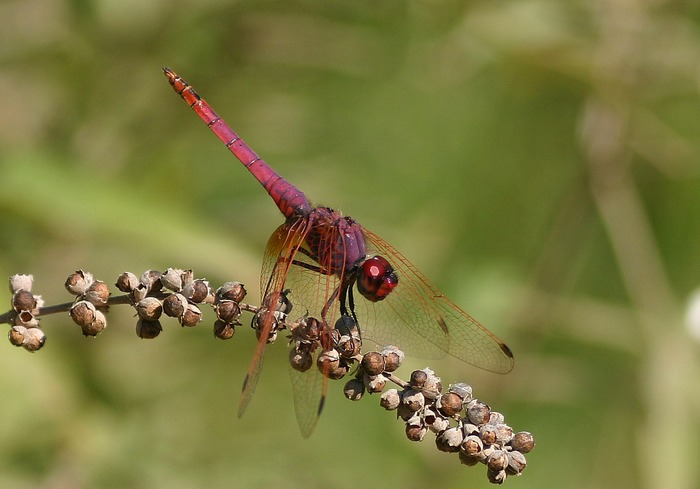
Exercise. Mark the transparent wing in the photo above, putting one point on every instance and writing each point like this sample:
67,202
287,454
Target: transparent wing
280,251
418,318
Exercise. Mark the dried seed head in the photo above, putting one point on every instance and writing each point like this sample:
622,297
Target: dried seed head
489,434
478,413
23,300
126,282
191,316
472,445
418,378
26,319
34,339
139,292
504,433
449,404
223,330
348,346
148,329
174,305
433,386
340,371
21,282
78,282
449,440
149,308
232,291
413,399
82,313
373,363
228,311
497,460
496,476
523,441
300,359
496,418
464,391
197,291
172,279
393,357
516,463
16,335
390,399
439,424
354,389
374,383
97,293
151,280
415,432
328,361
96,326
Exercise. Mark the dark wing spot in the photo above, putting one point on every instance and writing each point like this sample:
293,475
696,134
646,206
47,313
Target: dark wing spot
443,326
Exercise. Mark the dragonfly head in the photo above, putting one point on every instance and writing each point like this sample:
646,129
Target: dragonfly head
376,279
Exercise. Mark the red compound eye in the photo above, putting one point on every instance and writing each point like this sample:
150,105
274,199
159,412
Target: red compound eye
376,279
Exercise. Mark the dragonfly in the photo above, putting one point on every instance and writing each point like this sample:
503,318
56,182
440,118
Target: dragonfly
327,265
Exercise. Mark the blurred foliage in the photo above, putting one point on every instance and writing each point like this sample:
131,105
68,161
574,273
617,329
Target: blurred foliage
537,158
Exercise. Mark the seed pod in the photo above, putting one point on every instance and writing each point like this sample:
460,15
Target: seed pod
151,280
449,440
300,359
149,308
433,386
464,391
82,313
26,319
354,389
126,282
191,317
449,404
34,339
439,424
472,445
516,463
328,361
393,357
97,293
478,413
504,433
197,291
16,335
172,279
373,363
174,305
415,432
223,330
348,346
496,418
488,434
340,371
497,460
233,291
496,476
374,383
228,311
148,329
418,379
23,300
413,399
21,282
390,399
98,324
78,282
523,441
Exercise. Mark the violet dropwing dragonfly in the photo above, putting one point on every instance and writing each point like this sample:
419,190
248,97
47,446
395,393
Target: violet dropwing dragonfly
331,268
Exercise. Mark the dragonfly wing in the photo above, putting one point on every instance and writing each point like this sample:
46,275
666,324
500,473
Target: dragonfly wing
281,248
426,323
309,389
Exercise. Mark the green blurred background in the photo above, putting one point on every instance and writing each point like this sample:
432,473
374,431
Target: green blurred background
538,159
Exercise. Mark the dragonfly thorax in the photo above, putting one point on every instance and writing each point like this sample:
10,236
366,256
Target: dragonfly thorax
376,279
